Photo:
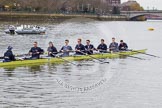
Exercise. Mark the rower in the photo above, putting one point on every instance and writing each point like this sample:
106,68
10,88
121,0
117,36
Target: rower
35,51
8,55
113,46
89,47
102,47
52,51
79,48
123,46
66,49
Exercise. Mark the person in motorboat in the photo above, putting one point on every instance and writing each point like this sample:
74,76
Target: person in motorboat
12,29
102,48
123,46
52,50
8,55
35,51
79,48
113,46
66,49
89,48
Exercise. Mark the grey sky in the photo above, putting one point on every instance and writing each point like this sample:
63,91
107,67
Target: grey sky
157,4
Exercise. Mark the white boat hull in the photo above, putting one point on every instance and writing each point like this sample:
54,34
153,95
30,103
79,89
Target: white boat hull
30,31
27,30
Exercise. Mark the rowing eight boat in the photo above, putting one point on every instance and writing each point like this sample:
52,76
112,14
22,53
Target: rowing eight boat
70,58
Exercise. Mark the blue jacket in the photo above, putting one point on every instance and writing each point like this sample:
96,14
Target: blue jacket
123,47
66,50
113,47
102,48
53,50
8,56
89,49
80,48
36,51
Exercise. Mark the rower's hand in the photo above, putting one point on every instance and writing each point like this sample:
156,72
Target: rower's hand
113,48
37,52
77,50
67,50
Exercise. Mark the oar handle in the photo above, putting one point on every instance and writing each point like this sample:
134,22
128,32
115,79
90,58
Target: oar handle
66,51
104,51
1,57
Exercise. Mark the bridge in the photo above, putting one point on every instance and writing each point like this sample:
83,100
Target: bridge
131,15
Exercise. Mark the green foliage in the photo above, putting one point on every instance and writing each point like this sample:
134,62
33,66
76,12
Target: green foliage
136,7
81,6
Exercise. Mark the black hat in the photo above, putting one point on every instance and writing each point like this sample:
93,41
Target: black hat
9,47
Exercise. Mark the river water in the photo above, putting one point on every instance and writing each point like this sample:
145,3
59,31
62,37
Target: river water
124,83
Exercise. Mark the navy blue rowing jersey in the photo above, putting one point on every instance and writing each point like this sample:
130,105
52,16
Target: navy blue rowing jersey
102,48
36,51
89,49
81,48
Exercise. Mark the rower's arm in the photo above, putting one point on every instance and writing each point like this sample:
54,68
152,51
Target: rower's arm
30,52
41,51
70,48
61,49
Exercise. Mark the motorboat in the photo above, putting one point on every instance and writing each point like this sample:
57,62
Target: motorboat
25,29
29,29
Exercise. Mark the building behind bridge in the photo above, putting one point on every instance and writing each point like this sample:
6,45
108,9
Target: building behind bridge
131,5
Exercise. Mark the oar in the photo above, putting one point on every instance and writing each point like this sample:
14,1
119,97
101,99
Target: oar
93,57
29,54
132,56
1,57
20,55
67,60
17,55
104,51
145,53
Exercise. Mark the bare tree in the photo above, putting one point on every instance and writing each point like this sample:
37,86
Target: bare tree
57,5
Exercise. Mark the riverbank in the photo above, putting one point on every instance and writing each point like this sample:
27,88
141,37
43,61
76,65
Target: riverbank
54,17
